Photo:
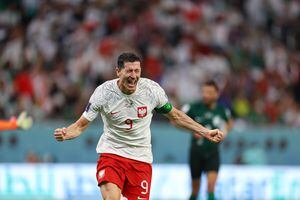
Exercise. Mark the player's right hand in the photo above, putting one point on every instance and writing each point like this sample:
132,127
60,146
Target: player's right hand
215,135
60,134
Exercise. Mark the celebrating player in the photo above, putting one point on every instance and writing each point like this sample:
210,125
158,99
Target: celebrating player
126,105
204,154
23,122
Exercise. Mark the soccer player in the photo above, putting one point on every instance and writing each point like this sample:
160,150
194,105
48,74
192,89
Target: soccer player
126,105
23,122
204,154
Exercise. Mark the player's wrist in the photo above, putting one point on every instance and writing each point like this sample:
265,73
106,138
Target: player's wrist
204,132
64,133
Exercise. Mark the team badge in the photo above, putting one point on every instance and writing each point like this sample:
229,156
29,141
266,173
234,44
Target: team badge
141,111
101,173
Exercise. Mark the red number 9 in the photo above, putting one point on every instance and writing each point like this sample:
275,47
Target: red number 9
130,123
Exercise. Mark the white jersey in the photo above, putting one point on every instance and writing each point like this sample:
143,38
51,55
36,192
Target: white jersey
126,118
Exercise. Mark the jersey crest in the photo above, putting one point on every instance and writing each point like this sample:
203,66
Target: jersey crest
101,173
142,111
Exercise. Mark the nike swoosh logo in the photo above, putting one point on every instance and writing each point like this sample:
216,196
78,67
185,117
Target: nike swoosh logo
140,198
113,113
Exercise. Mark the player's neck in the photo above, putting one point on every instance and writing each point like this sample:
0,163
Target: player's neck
211,105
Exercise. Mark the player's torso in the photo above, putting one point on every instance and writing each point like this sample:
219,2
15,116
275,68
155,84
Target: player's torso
128,117
211,119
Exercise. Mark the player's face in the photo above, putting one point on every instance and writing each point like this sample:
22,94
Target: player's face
209,94
129,76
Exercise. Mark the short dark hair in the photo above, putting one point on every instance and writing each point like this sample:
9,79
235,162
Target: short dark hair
211,83
127,57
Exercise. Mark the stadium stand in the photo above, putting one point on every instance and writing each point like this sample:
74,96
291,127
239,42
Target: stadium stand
54,53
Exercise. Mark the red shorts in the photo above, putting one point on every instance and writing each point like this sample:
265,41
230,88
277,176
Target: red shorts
131,176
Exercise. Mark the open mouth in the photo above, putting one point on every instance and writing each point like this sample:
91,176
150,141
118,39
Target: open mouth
131,83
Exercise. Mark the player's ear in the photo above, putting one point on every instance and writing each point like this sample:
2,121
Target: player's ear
118,71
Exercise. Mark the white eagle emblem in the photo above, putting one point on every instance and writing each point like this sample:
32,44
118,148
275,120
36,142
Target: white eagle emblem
141,111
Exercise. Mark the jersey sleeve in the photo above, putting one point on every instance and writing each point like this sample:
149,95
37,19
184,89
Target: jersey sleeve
162,105
8,125
227,114
160,96
95,104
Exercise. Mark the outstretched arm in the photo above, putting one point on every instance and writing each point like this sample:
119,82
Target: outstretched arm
72,131
181,120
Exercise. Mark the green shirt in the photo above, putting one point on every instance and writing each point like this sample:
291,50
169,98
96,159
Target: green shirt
215,118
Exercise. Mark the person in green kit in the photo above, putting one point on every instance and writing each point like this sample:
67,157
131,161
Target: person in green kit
204,155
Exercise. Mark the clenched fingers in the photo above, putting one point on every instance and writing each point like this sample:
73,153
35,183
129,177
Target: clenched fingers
216,135
59,134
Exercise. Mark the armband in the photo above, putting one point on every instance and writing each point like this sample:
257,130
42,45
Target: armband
164,109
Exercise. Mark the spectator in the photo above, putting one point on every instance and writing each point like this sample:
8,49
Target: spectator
51,52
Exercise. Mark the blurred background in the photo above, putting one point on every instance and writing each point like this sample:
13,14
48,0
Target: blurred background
54,53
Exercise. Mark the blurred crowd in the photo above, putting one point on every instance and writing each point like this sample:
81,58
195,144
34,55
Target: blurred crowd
54,53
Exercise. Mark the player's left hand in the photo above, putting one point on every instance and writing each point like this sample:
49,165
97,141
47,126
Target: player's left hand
215,135
60,134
